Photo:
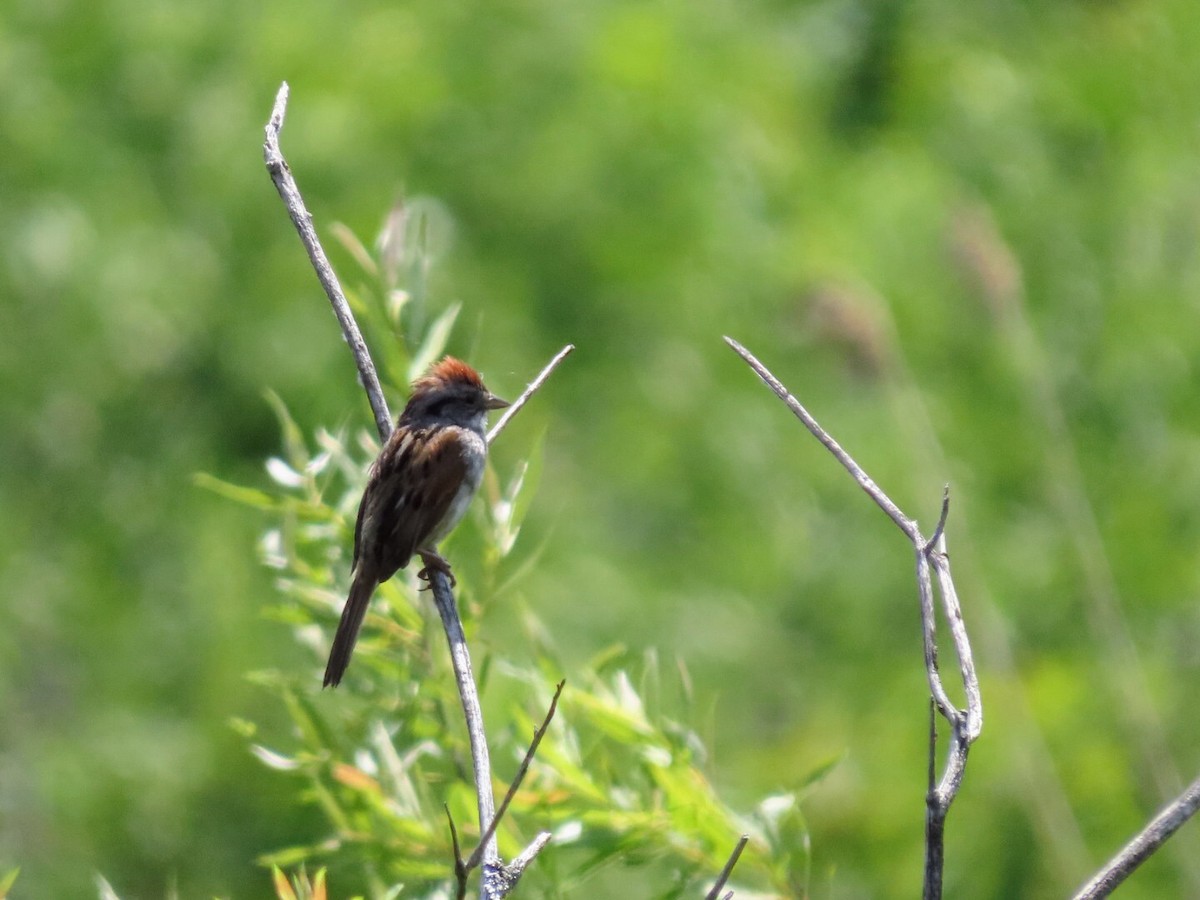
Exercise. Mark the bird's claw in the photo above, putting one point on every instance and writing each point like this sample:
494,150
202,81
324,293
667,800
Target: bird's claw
435,563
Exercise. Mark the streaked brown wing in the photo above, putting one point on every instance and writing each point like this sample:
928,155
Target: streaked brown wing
410,489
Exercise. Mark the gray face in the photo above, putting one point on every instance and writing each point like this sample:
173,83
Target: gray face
460,404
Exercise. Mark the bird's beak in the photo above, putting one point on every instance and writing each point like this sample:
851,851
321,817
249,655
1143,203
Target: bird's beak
494,402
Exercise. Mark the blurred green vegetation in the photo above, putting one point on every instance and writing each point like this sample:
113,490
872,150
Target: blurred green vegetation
965,235
620,779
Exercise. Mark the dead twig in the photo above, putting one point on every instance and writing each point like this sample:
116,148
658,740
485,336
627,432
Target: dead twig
931,559
522,771
1143,845
460,869
281,174
728,870
534,385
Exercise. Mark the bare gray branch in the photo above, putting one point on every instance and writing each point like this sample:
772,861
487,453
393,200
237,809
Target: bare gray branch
522,771
460,661
728,870
965,725
903,522
281,174
1138,850
534,385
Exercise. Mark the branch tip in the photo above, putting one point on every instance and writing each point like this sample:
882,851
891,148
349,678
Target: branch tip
522,771
460,871
932,543
728,870
302,220
529,391
279,110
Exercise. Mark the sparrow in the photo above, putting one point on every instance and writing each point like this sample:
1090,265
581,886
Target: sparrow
417,490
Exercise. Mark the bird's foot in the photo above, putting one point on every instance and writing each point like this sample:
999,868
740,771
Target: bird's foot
434,563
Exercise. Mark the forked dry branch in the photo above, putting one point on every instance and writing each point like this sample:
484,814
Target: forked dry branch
965,724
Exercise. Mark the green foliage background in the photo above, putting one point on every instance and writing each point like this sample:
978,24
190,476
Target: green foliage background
965,235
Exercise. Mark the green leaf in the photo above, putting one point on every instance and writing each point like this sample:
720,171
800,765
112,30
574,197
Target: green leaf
283,890
345,236
509,507
526,489
236,492
619,724
822,769
394,302
610,656
434,344
293,440
786,833
7,881
290,856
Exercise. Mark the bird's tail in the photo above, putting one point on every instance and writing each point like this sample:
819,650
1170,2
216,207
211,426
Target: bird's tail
355,610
